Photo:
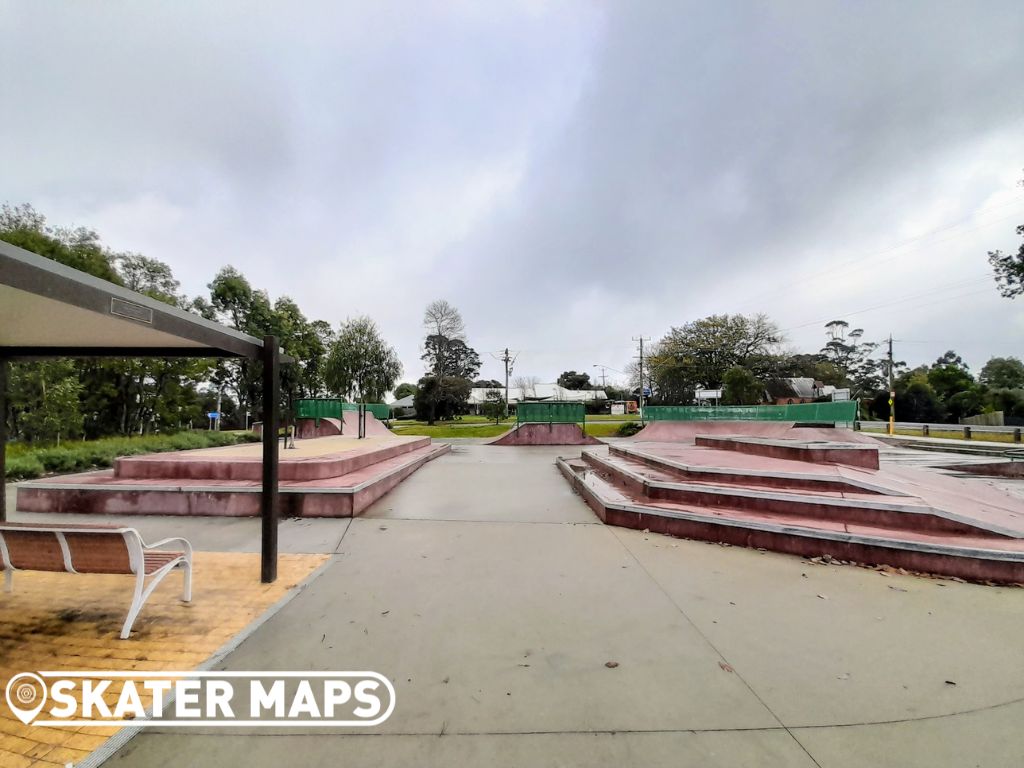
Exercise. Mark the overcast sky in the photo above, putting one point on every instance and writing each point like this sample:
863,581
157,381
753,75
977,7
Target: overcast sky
569,175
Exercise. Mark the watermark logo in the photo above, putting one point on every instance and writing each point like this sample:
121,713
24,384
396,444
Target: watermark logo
201,698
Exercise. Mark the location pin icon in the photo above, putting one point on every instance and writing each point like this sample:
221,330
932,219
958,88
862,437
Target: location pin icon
26,695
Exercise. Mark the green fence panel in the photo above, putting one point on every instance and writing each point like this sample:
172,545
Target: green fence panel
319,408
550,413
332,408
843,411
381,410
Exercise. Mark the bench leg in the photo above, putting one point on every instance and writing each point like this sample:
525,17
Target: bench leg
137,600
8,580
186,592
142,592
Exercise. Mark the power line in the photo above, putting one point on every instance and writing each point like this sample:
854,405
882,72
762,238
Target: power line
928,293
859,261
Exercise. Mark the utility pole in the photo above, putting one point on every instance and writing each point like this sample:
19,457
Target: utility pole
509,360
892,393
506,358
641,339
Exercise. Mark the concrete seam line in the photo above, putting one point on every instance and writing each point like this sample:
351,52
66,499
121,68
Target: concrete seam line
116,742
711,645
341,539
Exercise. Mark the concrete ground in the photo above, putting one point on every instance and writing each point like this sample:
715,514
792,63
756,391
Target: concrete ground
493,598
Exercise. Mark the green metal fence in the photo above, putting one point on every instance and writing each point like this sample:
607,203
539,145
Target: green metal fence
331,408
844,411
551,413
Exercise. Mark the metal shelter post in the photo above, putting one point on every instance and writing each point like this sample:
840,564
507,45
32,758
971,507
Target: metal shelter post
270,503
4,367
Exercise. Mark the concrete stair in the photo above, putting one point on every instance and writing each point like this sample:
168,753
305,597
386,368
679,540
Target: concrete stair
192,483
804,515
646,480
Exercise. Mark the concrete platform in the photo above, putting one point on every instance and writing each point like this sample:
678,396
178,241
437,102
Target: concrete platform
902,517
815,451
493,597
323,477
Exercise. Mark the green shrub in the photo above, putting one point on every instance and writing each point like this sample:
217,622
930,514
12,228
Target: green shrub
58,459
629,429
24,468
27,460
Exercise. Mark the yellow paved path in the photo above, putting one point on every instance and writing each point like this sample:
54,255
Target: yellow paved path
62,621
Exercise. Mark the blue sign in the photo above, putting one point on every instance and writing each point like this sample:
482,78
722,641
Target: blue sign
647,391
213,415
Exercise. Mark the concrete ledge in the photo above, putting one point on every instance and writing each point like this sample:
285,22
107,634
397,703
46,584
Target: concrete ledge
851,454
345,499
883,512
973,563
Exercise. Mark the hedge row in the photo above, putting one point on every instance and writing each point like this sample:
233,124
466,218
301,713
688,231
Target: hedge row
78,457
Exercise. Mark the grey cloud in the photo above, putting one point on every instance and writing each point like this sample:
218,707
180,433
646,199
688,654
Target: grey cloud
570,175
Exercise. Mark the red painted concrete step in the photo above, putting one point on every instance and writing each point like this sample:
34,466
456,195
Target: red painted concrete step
899,512
975,557
205,464
102,493
684,463
813,451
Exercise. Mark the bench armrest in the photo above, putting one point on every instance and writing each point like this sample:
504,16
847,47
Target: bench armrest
173,540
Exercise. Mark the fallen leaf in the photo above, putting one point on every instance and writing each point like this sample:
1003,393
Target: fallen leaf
822,597
950,682
611,664
726,667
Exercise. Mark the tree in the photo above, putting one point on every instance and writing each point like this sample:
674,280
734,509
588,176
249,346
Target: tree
917,402
404,390
446,355
45,400
741,388
457,358
1009,267
494,406
949,376
1003,373
441,399
444,324
360,363
150,277
527,385
574,381
862,371
699,353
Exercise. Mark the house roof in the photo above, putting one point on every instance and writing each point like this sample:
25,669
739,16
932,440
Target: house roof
551,391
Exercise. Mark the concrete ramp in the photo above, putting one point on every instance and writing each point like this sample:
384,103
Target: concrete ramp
545,434
374,428
307,428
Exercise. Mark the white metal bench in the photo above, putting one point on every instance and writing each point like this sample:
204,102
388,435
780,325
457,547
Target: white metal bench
94,549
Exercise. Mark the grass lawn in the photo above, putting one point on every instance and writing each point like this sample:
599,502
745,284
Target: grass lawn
602,430
467,420
449,429
612,417
954,434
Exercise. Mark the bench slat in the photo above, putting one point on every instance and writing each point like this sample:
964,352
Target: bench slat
34,550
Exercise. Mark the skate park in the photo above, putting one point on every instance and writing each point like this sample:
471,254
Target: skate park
516,623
